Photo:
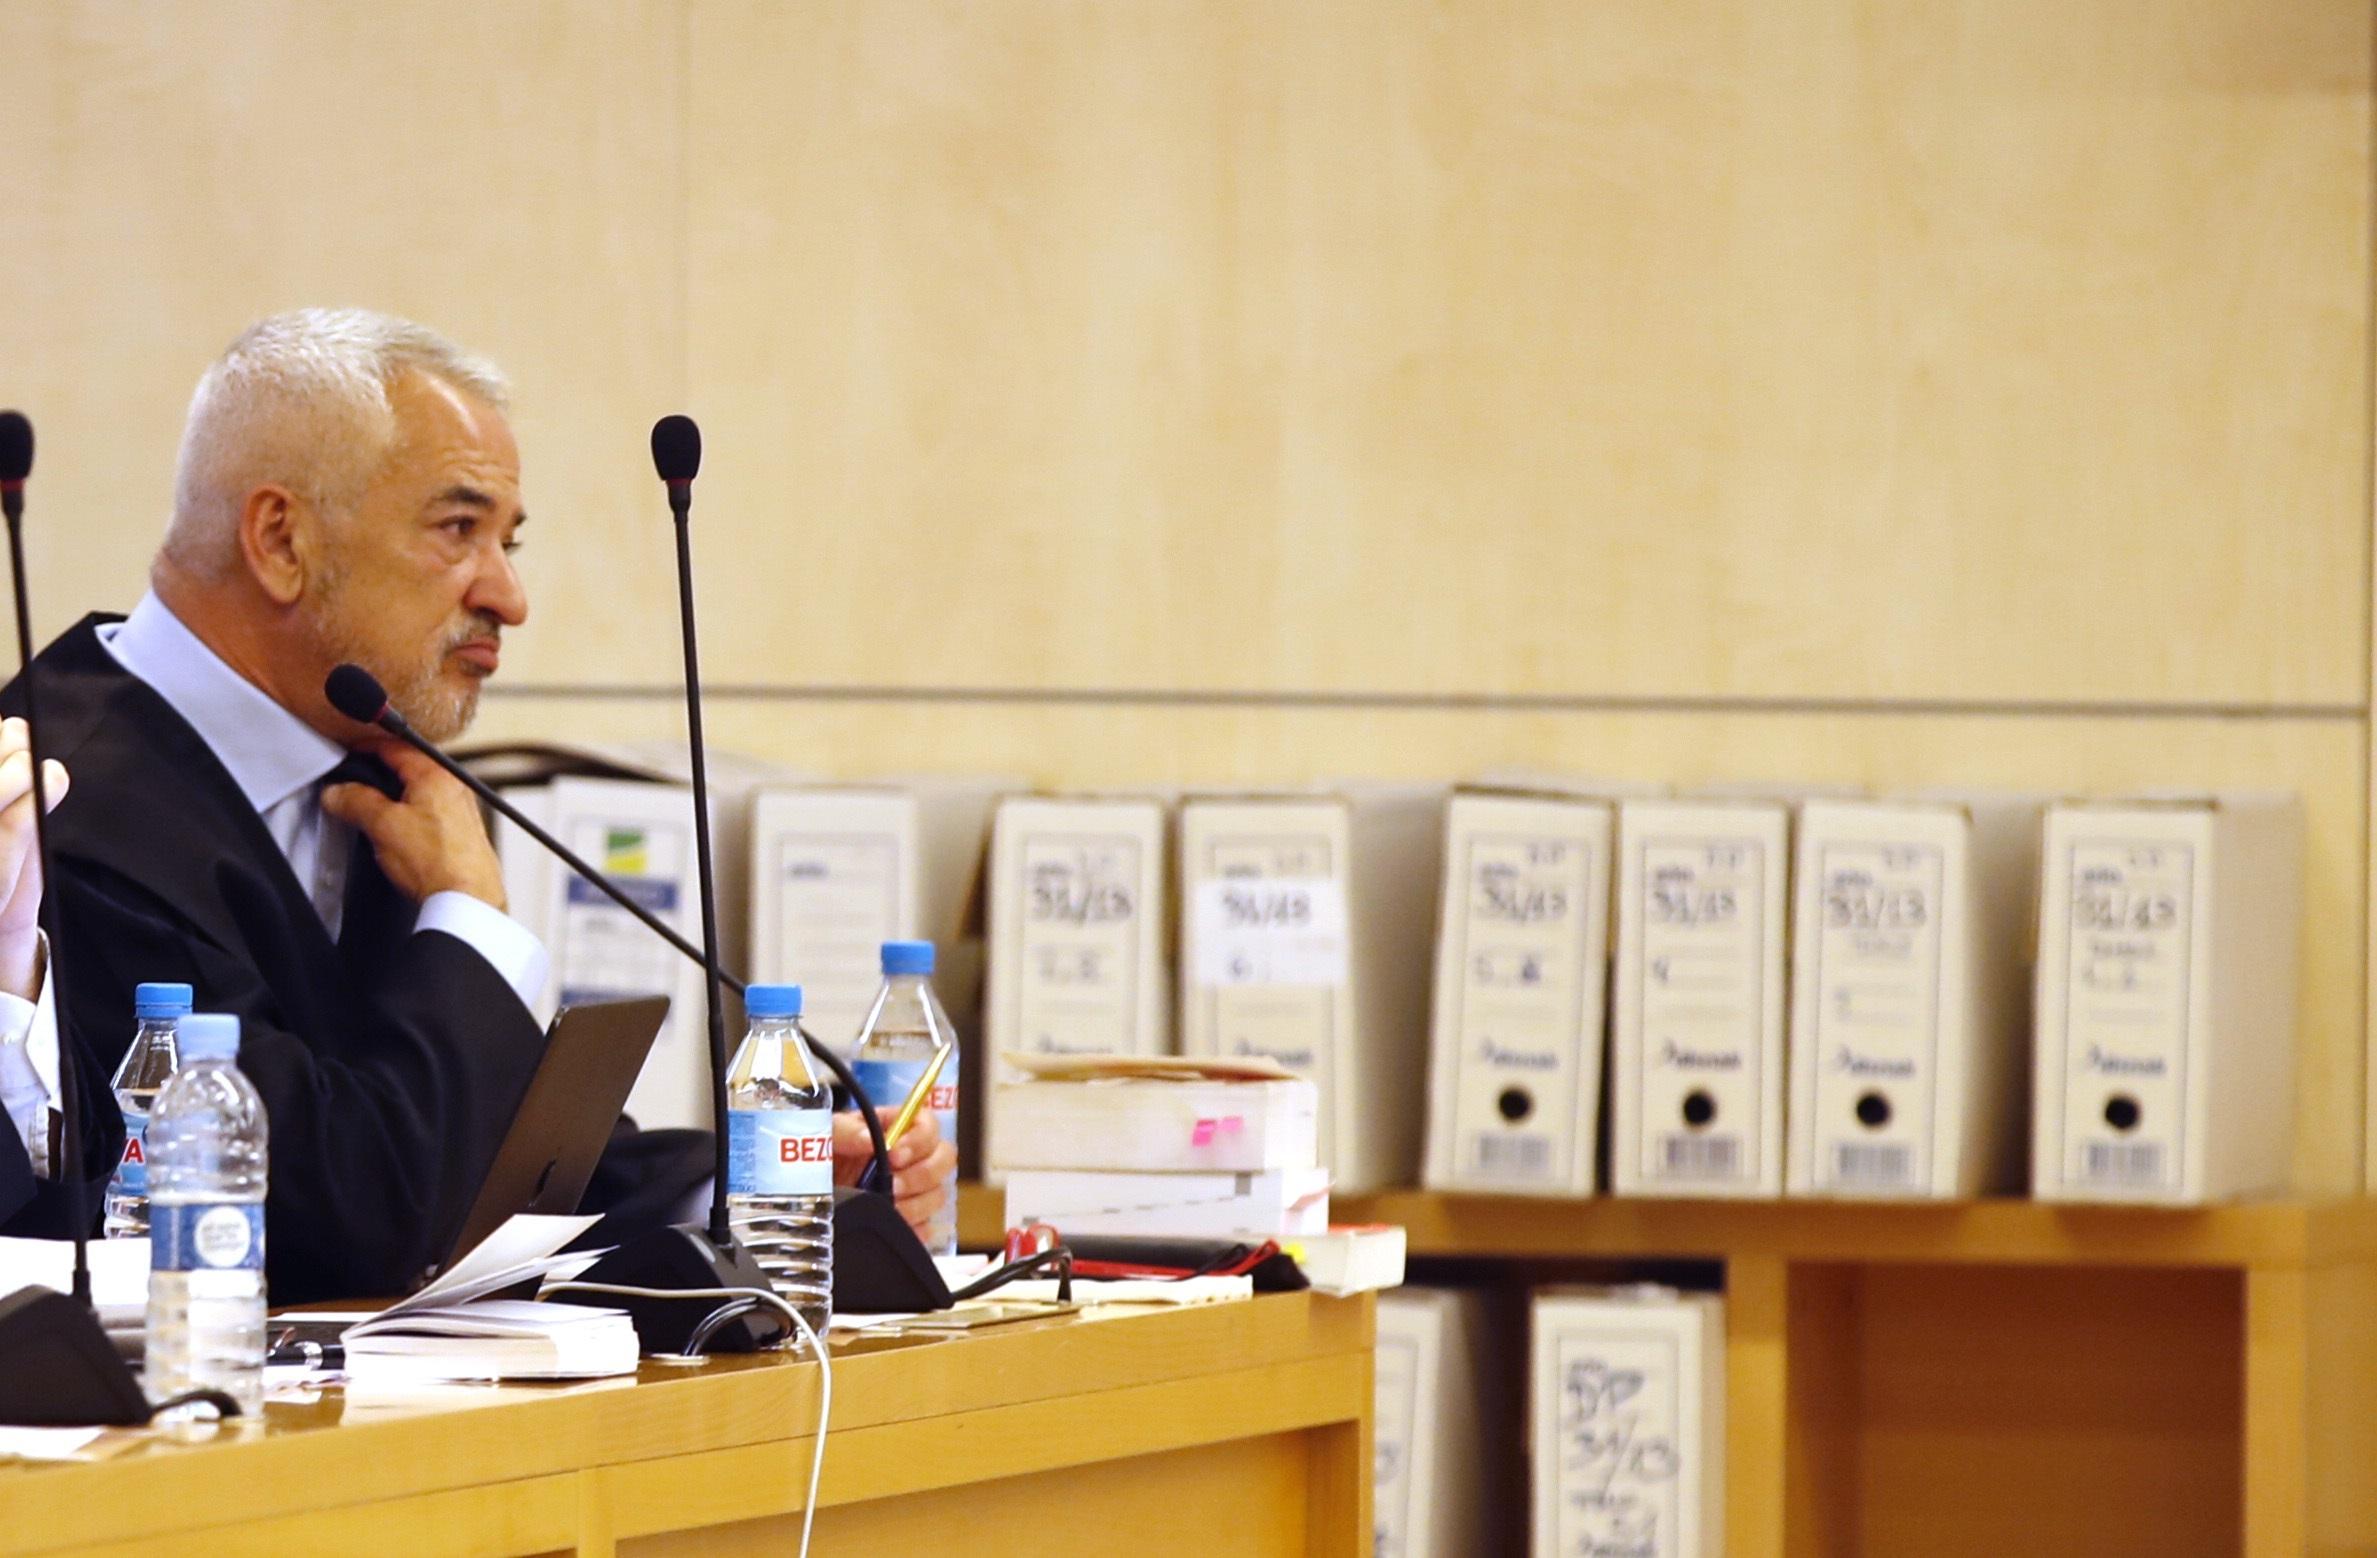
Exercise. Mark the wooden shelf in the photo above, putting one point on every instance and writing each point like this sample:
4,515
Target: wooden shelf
2259,1235
2266,1235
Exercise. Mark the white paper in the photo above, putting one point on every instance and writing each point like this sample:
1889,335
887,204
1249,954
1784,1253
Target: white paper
1270,931
45,1444
525,1246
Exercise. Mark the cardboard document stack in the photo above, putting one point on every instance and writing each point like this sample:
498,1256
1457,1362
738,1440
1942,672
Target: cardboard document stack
1305,930
1439,1367
1159,1147
1626,1422
1522,968
1078,923
2165,1067
1909,1006
1696,1042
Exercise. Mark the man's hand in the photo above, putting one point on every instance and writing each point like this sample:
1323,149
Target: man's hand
20,863
432,841
920,1161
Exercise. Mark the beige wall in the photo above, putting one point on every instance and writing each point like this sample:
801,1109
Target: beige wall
1897,392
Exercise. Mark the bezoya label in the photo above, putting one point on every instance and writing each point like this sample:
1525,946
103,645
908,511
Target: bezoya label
780,1152
206,1236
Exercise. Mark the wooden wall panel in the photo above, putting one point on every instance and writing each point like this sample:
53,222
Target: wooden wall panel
507,173
1941,361
1826,348
1095,744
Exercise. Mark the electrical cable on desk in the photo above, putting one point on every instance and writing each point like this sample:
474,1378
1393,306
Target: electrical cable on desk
1015,1271
742,1301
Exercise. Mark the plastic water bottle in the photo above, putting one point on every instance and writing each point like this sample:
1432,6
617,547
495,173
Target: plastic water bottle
206,1149
780,1154
151,1059
903,1028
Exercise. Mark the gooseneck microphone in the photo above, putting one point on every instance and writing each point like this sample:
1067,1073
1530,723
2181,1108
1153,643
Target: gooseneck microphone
357,694
677,457
57,1366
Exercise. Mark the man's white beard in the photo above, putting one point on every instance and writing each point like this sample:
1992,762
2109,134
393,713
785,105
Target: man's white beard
438,711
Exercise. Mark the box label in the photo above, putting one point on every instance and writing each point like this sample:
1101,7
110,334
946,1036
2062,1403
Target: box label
1524,920
1702,951
1083,919
2129,963
1267,931
1877,997
1621,1453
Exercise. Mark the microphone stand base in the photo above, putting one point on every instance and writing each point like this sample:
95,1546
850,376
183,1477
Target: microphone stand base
58,1369
880,1266
682,1259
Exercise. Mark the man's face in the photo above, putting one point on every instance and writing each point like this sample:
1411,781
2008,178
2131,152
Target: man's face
418,583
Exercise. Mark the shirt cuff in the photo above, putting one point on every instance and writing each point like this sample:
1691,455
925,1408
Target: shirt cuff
507,945
29,1067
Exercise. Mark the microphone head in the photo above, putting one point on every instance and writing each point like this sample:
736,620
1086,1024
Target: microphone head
16,446
676,449
356,693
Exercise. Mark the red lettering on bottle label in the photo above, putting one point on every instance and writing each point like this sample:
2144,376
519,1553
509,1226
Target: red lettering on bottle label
805,1149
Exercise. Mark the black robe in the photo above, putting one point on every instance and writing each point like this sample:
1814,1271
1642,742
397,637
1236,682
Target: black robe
390,1063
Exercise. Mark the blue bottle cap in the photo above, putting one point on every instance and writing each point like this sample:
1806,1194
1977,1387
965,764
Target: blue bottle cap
209,1036
907,957
155,1002
772,1001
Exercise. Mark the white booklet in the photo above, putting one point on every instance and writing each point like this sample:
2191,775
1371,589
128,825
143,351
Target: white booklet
452,1329
491,1339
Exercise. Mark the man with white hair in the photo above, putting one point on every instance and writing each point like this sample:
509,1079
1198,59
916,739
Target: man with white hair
349,490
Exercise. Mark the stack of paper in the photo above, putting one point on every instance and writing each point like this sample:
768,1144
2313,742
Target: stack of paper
1153,1116
491,1339
1283,1203
1167,1147
1351,1258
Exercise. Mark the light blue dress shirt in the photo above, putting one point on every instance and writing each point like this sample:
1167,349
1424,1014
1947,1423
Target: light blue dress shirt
278,761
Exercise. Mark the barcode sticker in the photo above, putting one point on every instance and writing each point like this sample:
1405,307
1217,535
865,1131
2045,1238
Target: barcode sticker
1873,1163
1700,1157
1527,1154
2122,1162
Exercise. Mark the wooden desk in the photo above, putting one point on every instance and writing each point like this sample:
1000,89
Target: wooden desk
1230,1428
